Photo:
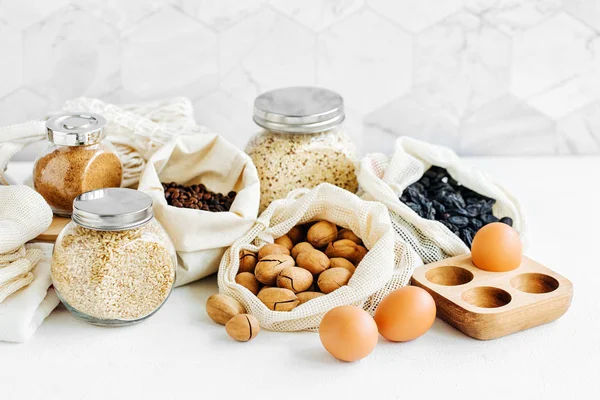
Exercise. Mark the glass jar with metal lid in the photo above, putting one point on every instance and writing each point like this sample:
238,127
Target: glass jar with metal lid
78,159
113,264
302,144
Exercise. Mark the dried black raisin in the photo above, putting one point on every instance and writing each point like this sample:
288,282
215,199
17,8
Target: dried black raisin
437,196
459,221
507,220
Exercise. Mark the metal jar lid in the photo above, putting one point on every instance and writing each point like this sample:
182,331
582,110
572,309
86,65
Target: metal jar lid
112,209
299,110
76,129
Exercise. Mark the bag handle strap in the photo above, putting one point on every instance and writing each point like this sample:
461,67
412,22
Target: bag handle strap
14,138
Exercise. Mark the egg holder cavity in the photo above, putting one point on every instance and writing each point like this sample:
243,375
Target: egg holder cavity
488,305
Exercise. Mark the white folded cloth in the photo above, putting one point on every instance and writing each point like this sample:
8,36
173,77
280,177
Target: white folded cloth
15,270
22,312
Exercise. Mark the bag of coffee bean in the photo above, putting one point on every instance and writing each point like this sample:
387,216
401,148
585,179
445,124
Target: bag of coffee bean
436,202
206,195
375,276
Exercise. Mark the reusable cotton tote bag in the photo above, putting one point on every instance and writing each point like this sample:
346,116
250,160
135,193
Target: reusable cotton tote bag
201,237
384,179
374,278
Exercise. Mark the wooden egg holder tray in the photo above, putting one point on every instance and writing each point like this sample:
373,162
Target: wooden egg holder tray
488,305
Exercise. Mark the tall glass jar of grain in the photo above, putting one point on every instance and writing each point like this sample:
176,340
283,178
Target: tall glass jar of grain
302,143
78,159
113,264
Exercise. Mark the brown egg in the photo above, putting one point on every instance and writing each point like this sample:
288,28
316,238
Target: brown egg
348,333
497,247
405,314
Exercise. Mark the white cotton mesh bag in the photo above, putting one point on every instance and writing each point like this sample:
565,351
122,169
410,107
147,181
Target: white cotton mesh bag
23,216
383,179
372,280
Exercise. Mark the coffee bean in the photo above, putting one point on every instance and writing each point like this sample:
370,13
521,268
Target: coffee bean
197,197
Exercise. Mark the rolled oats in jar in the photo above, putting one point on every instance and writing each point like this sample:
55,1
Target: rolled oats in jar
113,264
302,144
78,159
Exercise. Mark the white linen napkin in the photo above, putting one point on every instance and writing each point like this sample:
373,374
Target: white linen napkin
23,311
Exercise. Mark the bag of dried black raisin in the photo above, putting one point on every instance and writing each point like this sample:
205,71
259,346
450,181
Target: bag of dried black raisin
436,202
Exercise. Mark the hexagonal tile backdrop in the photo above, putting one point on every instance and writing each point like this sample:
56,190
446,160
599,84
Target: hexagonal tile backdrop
484,77
71,54
461,64
378,64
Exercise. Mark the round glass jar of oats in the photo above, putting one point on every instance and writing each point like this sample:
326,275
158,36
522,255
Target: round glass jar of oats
302,143
113,264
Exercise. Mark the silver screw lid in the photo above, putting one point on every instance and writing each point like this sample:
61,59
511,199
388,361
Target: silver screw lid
76,129
299,110
112,209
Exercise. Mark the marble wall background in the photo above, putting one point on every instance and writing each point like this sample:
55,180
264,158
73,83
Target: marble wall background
486,77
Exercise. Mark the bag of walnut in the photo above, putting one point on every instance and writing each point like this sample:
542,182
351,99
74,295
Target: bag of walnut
201,236
384,179
375,276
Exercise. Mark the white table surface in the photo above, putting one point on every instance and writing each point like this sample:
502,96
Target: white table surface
181,353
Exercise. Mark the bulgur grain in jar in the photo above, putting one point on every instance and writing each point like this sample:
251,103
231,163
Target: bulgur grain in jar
302,144
79,159
113,264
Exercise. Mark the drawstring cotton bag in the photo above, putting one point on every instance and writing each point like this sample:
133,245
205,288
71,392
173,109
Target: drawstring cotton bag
373,279
24,268
201,237
23,216
383,179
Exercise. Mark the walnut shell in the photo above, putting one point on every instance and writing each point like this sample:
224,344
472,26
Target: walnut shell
333,279
338,262
264,287
278,299
306,296
285,241
249,281
270,249
297,234
322,233
362,252
243,327
348,234
314,261
300,247
248,260
221,308
270,266
295,279
347,249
